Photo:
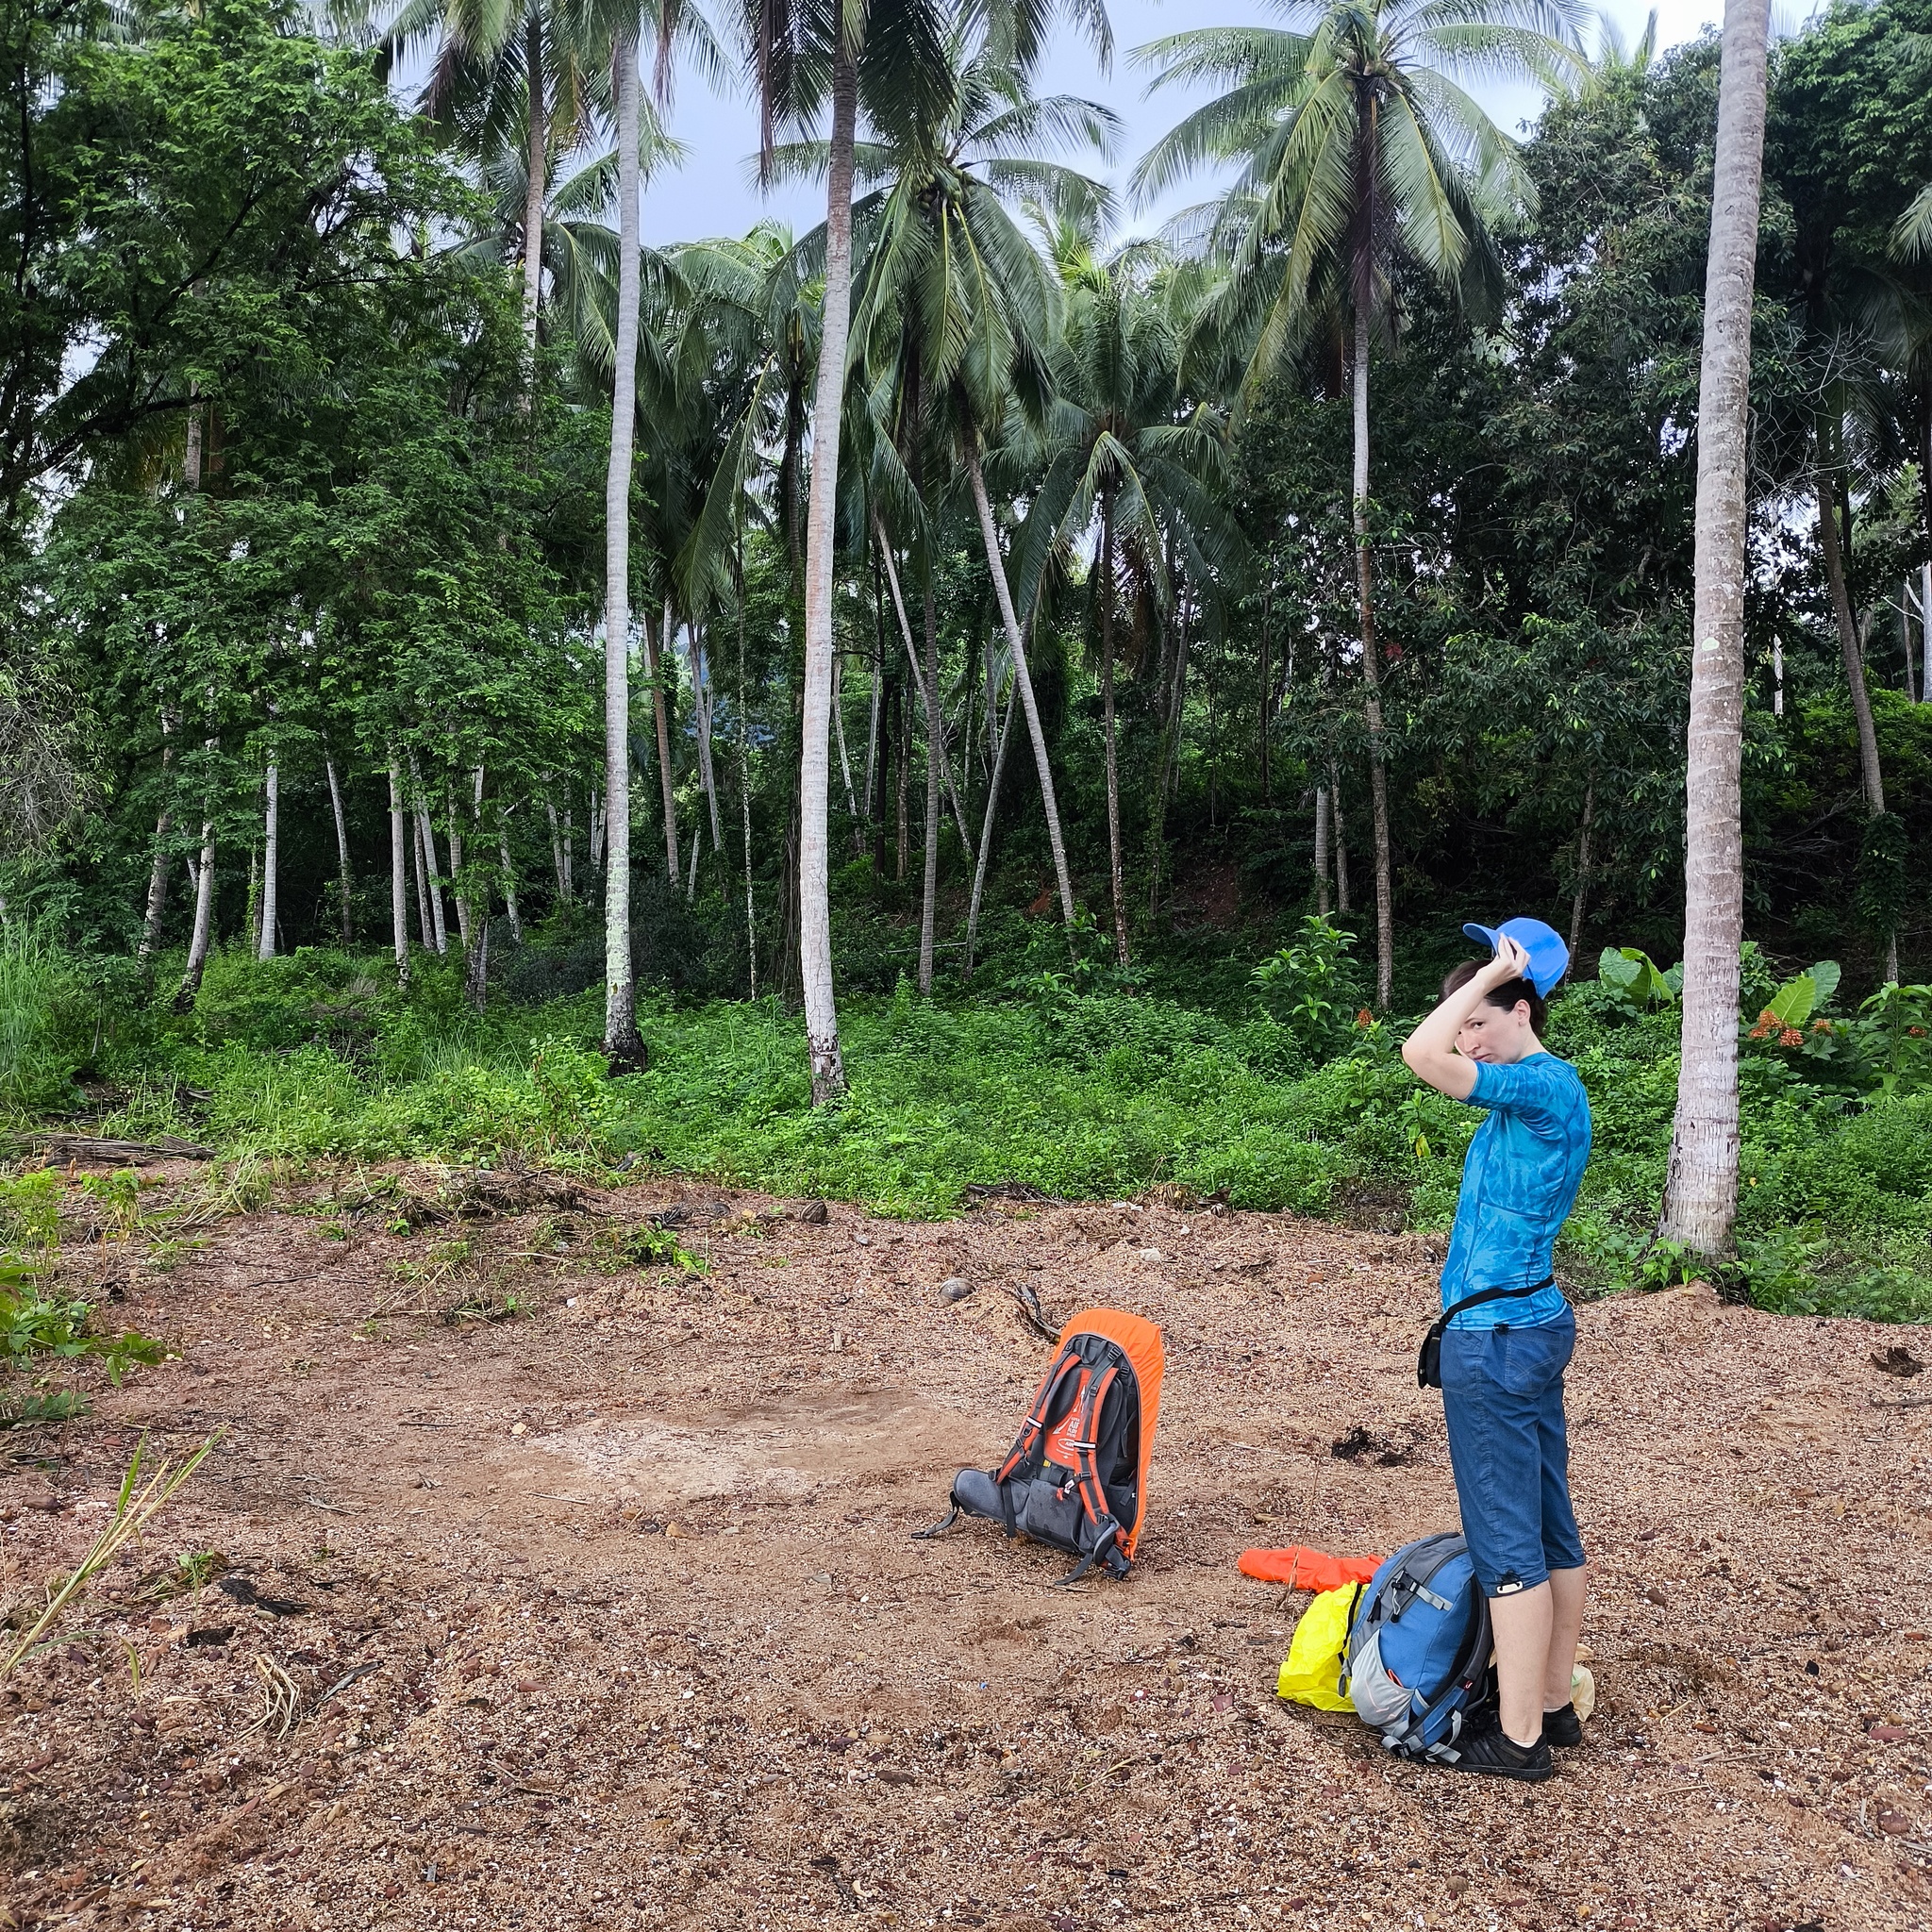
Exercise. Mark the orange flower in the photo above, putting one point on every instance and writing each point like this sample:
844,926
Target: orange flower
1790,1037
1364,1019
1821,1025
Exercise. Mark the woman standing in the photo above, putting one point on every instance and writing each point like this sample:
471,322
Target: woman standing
1508,1332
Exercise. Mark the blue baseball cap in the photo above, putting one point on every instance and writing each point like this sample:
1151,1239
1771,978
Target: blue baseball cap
1549,958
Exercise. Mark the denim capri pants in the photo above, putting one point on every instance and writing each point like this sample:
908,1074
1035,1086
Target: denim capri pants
1503,1399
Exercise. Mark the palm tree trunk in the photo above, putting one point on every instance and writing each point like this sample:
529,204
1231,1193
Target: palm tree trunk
945,766
659,656
430,878
535,162
1113,774
821,536
1700,1200
992,799
902,714
839,727
1371,673
1322,850
1168,776
701,697
751,918
271,830
996,565
343,881
509,878
556,854
1342,897
398,876
1850,650
424,931
935,766
1583,832
202,933
157,870
623,1046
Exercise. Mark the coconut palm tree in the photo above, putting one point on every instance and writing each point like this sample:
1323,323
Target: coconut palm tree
1356,145
1700,1201
949,292
1128,455
806,53
509,78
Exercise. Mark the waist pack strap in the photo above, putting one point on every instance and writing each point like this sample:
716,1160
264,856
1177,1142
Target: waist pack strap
1429,1369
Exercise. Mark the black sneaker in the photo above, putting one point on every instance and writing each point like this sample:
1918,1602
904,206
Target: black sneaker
1563,1729
1495,1754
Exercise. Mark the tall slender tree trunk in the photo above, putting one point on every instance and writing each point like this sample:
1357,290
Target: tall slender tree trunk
1926,619
1700,1201
271,869
1850,649
934,769
902,716
432,875
659,656
996,566
1341,895
1168,776
821,536
458,890
1372,671
1266,684
557,854
1322,850
992,800
201,936
342,880
945,766
157,903
623,1044
701,696
751,917
1830,478
510,877
838,729
1583,833
536,164
425,931
398,881
1117,871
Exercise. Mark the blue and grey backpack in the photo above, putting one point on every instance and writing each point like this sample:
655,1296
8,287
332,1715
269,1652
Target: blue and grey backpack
1419,1649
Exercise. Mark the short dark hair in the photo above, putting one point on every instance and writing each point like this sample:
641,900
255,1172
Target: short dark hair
1503,997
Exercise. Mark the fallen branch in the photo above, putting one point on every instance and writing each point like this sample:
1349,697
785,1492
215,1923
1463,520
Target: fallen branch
117,1153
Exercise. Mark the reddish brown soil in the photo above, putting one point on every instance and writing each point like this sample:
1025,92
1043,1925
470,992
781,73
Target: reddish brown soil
646,1642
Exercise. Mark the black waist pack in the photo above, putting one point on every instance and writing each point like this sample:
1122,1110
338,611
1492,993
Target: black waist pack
1428,1362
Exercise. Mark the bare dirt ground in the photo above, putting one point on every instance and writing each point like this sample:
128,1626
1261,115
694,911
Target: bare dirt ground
623,1628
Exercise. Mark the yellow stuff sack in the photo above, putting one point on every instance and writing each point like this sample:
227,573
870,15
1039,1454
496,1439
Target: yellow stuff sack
1312,1671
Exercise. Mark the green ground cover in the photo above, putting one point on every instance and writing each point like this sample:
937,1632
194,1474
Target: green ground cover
1059,1081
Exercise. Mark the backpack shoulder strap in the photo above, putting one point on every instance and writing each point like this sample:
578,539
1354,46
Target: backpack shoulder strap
1034,1428
1106,1548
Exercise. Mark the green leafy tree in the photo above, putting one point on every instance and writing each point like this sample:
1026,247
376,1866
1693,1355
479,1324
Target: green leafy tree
1358,146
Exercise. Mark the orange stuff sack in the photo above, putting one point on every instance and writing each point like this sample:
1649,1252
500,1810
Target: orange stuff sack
1300,1568
1076,1474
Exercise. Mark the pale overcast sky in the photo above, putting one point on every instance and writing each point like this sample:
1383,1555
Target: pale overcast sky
714,192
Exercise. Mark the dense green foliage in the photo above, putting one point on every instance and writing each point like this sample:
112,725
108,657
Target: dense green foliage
1075,1094
301,567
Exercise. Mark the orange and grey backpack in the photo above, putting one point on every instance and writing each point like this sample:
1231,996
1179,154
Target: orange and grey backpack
1077,1475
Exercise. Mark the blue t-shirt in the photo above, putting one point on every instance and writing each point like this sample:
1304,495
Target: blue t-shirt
1519,1183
